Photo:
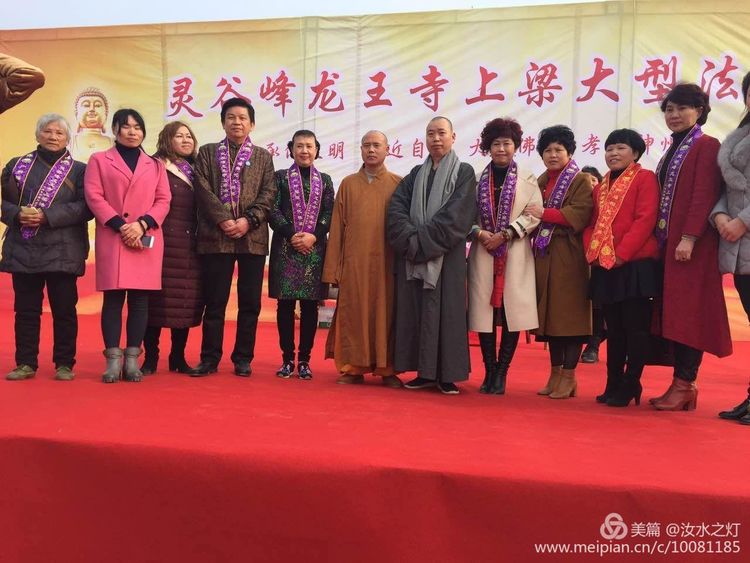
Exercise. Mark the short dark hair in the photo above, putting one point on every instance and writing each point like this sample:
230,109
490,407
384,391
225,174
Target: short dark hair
556,134
628,137
304,133
500,127
745,88
120,118
688,94
237,103
594,171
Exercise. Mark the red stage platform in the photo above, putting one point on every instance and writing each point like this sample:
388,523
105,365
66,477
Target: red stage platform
231,469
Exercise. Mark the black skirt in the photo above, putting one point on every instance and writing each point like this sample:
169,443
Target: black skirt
641,278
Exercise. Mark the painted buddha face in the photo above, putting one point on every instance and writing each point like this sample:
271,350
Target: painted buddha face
91,112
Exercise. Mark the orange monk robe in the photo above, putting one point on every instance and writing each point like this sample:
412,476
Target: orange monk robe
18,80
360,262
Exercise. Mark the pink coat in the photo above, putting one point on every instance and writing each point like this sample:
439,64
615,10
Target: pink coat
113,190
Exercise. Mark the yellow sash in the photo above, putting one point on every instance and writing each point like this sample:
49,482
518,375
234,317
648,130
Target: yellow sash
610,200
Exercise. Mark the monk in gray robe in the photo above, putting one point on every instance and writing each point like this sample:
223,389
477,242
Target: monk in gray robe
429,217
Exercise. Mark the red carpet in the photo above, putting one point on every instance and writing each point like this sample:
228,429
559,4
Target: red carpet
231,469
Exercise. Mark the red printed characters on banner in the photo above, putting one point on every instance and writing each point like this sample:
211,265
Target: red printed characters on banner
592,144
277,89
431,88
181,97
648,141
228,91
528,145
666,142
377,92
273,149
475,147
395,149
600,74
713,76
325,95
417,149
540,84
486,77
658,78
336,150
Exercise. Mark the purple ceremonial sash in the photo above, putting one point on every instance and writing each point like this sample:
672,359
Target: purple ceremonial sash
555,201
497,222
229,192
670,183
187,170
304,213
47,192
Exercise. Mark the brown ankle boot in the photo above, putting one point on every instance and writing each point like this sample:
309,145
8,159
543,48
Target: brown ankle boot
684,396
554,379
567,385
663,396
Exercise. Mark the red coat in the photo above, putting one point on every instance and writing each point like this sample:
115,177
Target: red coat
633,226
694,311
112,189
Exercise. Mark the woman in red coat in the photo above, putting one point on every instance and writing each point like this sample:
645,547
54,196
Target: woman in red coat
694,315
128,193
622,250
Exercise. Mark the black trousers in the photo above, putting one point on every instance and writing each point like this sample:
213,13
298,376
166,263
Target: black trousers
151,343
62,293
742,283
114,300
628,334
217,282
307,327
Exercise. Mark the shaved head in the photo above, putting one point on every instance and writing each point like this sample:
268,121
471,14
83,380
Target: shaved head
440,117
374,132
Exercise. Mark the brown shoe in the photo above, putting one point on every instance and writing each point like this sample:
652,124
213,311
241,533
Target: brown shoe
684,397
656,400
554,379
567,385
392,381
349,379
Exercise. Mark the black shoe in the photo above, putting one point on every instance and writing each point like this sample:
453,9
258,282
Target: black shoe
609,389
420,383
304,371
630,389
590,355
242,368
744,420
286,370
448,388
149,365
202,369
738,412
179,366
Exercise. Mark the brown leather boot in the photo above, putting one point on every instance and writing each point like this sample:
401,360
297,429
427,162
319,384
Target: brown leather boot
567,385
684,396
554,379
656,400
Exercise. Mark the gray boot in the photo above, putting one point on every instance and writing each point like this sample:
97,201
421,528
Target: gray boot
130,371
114,365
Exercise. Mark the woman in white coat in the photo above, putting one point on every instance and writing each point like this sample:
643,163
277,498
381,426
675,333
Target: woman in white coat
502,289
731,217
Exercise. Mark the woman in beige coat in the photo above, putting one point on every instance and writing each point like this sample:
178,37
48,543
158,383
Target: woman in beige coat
501,264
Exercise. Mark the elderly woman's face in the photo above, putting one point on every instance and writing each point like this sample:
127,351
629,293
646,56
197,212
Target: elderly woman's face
304,151
619,156
183,143
555,157
680,118
53,137
502,150
91,112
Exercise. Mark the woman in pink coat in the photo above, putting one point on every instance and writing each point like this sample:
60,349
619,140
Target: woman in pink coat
128,193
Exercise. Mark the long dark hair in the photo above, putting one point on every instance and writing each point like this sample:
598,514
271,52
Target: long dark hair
745,88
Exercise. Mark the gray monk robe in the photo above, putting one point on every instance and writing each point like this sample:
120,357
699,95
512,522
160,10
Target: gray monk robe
430,324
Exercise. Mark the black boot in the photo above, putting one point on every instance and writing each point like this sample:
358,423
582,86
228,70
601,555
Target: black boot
508,344
177,355
737,412
613,382
487,345
151,348
629,389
